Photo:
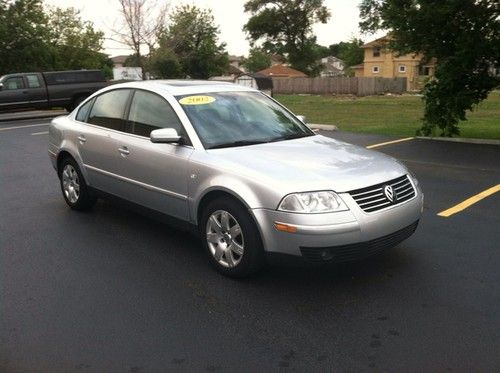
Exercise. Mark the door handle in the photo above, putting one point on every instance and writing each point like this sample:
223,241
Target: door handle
124,151
82,139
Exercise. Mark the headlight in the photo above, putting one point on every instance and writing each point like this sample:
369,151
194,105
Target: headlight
312,202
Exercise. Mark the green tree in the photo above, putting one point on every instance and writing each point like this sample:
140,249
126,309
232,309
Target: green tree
163,63
193,37
351,52
257,60
23,36
285,27
464,37
33,39
73,42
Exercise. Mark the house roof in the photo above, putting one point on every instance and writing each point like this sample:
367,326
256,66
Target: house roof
233,58
281,71
360,66
377,42
233,70
119,59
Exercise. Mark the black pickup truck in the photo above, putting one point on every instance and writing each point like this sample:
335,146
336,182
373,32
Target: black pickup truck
50,89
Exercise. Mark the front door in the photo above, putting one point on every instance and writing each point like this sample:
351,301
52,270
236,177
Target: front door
14,94
154,175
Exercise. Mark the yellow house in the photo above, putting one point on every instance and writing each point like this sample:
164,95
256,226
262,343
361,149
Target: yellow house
380,61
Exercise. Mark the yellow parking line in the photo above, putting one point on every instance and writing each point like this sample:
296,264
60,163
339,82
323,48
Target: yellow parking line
40,133
469,201
389,142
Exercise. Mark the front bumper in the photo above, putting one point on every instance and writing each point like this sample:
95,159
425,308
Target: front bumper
347,231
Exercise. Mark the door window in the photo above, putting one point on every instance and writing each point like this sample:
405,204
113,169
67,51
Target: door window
149,111
33,81
84,111
108,109
14,83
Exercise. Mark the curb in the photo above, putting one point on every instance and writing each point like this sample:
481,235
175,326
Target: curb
463,140
323,127
9,117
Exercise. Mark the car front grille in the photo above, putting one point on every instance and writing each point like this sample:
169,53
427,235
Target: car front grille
375,197
357,251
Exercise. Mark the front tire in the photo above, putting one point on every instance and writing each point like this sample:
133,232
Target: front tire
231,238
73,186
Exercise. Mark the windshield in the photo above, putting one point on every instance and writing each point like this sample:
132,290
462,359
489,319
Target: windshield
227,119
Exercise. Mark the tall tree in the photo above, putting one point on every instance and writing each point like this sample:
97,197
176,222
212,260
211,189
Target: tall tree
142,21
257,60
464,37
24,36
33,38
285,27
74,43
192,36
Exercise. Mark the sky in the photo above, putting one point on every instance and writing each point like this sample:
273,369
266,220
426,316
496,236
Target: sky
228,14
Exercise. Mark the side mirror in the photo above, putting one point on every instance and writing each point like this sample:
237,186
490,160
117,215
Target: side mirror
165,136
302,118
1,86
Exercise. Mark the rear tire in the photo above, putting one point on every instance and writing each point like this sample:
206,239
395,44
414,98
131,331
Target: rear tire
73,186
231,238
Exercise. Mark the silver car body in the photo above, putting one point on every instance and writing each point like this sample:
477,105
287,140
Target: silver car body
174,179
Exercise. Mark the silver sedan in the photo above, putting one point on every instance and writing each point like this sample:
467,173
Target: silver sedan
237,167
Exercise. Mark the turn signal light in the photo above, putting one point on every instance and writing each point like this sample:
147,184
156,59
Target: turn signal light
285,228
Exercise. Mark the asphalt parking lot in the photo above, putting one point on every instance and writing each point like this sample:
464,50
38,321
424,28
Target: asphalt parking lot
113,291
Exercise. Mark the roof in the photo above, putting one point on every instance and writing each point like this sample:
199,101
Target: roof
235,58
377,42
360,66
233,70
119,59
281,71
182,87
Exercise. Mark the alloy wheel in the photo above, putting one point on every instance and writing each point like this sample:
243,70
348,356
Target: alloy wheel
225,238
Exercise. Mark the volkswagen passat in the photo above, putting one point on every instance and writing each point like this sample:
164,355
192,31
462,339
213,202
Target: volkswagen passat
233,163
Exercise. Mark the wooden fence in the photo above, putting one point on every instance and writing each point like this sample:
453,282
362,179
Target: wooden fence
339,85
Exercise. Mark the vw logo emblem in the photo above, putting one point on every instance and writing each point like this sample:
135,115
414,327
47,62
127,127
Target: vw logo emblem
389,193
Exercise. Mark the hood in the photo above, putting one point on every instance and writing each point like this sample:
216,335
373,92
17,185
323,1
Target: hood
310,163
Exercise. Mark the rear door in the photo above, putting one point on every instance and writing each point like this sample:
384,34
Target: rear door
156,174
37,92
104,118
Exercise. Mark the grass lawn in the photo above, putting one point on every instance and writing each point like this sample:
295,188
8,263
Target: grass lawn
388,115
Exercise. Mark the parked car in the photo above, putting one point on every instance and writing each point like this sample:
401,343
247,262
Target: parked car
241,169
47,90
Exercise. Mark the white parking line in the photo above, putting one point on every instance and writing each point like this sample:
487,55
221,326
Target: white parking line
40,133
25,126
389,143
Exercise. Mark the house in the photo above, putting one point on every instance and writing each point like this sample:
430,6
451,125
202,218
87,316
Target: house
332,66
380,61
277,59
237,62
119,61
281,71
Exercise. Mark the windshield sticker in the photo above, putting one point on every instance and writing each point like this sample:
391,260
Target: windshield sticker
196,100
